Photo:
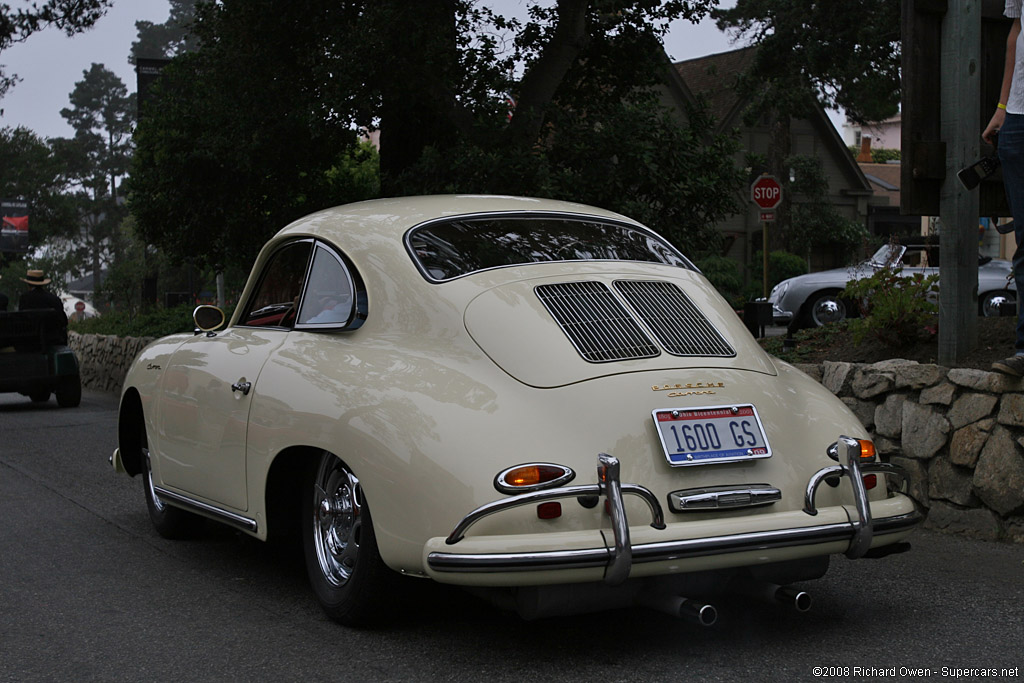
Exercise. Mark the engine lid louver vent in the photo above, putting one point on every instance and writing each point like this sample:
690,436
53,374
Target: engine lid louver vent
597,324
672,317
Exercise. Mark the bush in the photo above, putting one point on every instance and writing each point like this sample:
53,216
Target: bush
157,323
894,309
724,274
782,265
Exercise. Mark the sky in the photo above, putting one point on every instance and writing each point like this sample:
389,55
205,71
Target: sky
50,63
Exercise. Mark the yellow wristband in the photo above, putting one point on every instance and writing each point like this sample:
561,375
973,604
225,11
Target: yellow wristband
1001,106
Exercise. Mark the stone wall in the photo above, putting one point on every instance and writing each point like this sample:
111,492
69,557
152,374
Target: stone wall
958,432
104,360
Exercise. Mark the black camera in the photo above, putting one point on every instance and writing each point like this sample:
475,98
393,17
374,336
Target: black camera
971,176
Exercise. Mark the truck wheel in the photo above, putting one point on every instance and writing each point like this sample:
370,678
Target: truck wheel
69,392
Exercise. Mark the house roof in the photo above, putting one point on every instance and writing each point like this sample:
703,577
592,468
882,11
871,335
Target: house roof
715,78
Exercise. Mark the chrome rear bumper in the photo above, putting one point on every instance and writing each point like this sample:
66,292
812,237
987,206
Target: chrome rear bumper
857,534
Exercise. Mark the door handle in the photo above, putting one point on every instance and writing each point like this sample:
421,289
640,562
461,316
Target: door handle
244,387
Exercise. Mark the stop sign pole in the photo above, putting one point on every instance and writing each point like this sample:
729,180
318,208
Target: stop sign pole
766,192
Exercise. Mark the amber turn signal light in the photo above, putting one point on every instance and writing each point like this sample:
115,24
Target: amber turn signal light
532,477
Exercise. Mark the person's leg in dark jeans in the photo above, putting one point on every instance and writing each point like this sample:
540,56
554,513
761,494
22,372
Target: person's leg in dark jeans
1011,155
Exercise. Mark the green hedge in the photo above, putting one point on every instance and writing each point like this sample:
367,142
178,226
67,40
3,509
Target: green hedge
157,323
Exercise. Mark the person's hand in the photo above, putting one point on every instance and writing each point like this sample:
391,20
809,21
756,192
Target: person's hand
994,125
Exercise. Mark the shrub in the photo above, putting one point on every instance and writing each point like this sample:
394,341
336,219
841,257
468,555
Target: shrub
893,308
156,323
782,265
724,274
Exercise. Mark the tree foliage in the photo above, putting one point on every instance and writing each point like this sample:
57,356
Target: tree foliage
255,128
70,16
847,53
170,38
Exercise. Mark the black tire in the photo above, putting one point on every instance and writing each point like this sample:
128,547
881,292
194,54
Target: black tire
69,392
988,304
170,522
824,307
39,395
351,582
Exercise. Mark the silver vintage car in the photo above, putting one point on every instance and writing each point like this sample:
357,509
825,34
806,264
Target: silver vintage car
542,401
813,299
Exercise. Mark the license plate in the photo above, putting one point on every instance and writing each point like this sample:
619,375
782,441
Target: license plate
697,436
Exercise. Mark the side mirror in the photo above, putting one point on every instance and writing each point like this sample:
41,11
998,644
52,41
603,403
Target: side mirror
208,318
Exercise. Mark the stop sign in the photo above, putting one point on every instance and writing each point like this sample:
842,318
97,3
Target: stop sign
766,192
79,306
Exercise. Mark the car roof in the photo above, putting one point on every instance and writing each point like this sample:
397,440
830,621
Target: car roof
352,226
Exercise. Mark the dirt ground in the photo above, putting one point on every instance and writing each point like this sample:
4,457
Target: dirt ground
995,341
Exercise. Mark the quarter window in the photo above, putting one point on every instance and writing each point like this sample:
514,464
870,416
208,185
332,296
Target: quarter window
276,299
329,298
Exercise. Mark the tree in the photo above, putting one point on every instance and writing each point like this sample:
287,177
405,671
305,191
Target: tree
169,39
70,16
101,113
844,54
251,127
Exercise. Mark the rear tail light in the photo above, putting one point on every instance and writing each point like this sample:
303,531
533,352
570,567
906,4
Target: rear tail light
532,477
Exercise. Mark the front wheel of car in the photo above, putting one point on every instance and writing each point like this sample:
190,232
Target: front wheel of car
69,392
989,304
824,308
170,522
345,568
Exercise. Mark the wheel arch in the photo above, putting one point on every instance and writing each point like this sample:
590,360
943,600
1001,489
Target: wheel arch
131,426
282,493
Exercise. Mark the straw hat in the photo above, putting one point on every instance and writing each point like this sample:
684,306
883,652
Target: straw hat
36,278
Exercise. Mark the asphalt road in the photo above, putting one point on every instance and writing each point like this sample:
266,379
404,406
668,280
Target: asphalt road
88,591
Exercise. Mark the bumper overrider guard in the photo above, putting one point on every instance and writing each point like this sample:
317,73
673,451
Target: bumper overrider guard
618,561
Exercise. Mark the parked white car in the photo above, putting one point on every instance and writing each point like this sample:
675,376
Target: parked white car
813,300
540,400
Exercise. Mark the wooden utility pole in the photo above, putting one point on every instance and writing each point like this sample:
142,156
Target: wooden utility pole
958,207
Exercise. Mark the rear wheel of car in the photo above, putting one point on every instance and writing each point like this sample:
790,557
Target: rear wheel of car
989,303
170,522
69,392
823,308
350,580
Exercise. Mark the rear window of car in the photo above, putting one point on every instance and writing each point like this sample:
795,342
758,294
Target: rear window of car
445,250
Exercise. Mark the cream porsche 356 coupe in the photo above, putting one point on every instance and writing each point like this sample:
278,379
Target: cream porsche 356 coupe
543,401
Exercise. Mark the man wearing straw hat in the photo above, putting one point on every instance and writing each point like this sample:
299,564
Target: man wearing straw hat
39,298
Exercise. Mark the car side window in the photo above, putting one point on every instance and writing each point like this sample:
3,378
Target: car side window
330,293
276,299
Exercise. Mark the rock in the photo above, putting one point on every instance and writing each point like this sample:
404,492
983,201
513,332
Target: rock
941,394
973,522
946,481
888,416
970,408
915,376
999,474
812,370
1011,410
967,442
836,377
871,380
917,475
864,410
924,431
979,380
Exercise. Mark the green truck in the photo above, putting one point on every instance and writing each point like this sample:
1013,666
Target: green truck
35,360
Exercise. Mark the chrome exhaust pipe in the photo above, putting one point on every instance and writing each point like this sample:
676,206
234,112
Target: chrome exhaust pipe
799,600
688,610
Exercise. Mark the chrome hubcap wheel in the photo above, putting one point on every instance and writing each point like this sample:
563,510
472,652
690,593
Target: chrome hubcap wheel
828,309
337,521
